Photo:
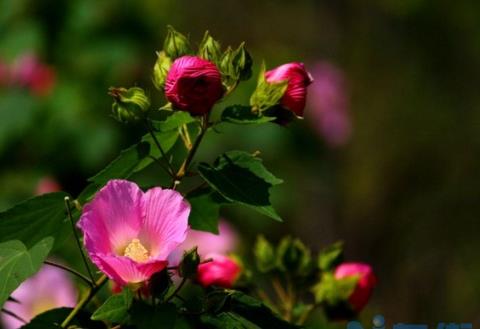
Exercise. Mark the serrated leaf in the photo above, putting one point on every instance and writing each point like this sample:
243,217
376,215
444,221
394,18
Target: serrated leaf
174,121
115,308
17,263
53,319
331,256
241,177
240,114
35,219
205,210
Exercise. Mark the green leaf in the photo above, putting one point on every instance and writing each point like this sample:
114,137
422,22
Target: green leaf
145,316
17,263
331,256
332,290
240,114
174,121
265,256
241,177
205,210
227,320
53,319
34,219
115,308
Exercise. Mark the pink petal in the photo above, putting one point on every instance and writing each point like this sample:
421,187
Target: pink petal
124,270
165,221
113,218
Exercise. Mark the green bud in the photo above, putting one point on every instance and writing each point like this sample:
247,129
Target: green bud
160,70
189,265
175,44
264,255
160,283
294,257
129,104
242,62
267,95
333,291
210,49
228,73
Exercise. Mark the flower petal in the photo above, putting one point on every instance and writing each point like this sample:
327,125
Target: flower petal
165,221
124,270
113,218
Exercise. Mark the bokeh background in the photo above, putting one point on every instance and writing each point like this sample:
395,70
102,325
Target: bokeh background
387,158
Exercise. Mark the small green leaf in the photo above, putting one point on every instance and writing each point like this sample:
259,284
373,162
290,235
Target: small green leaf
240,114
241,177
174,121
53,319
17,263
264,255
35,219
205,210
331,256
332,290
115,308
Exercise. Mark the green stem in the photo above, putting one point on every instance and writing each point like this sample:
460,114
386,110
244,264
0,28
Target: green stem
84,301
71,270
79,245
170,169
177,290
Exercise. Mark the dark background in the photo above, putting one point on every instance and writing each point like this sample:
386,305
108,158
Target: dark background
402,192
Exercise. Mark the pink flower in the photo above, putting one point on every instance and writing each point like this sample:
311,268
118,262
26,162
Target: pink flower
226,241
366,282
49,288
329,103
47,185
298,80
223,271
31,73
193,84
129,234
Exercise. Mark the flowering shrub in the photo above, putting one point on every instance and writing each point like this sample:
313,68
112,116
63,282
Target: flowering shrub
147,240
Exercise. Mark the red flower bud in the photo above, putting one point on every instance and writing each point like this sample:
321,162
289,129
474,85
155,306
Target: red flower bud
222,271
298,78
366,282
193,84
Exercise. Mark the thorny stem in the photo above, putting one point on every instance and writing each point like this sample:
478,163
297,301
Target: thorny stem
71,270
84,301
79,245
13,315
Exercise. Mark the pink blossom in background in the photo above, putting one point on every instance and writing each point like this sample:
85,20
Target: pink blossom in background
225,242
129,234
222,271
29,72
328,101
47,184
193,84
366,282
49,288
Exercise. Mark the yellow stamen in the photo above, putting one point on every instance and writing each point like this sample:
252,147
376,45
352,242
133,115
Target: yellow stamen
136,251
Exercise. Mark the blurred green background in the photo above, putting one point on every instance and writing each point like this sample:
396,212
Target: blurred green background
402,191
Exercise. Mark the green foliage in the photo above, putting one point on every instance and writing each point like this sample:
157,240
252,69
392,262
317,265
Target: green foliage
241,177
265,256
189,264
333,291
129,105
331,256
53,318
144,316
159,284
205,210
235,65
17,263
160,70
115,309
241,114
174,121
210,49
294,257
35,219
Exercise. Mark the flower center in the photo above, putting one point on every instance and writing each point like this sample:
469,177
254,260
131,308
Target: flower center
136,251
